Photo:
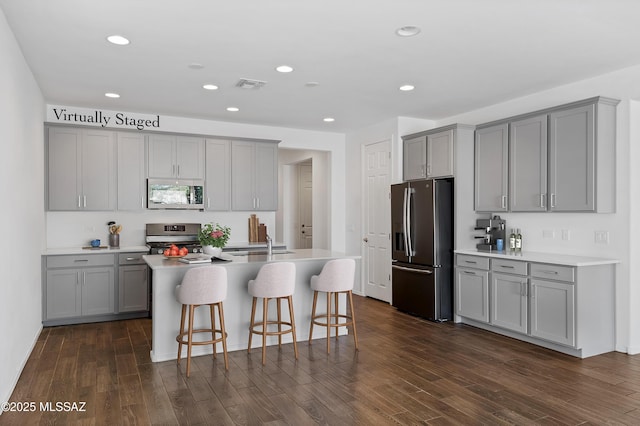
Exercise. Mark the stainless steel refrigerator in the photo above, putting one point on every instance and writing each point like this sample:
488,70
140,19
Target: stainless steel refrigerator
422,248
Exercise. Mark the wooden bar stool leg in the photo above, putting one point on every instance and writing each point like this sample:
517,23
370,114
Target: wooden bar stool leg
353,319
328,322
293,326
313,315
336,312
190,340
224,336
265,304
252,324
213,329
180,337
279,306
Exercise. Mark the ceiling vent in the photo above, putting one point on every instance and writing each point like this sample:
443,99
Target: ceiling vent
245,83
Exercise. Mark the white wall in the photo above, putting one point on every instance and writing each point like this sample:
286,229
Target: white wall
623,85
22,214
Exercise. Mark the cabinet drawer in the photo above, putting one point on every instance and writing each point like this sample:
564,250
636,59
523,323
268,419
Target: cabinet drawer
131,258
509,266
477,262
553,272
78,261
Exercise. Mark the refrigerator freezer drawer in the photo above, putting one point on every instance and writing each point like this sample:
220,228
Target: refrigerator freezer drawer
417,292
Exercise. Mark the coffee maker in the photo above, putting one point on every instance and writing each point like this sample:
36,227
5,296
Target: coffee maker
494,229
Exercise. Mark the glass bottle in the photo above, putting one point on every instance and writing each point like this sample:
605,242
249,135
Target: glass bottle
518,240
512,240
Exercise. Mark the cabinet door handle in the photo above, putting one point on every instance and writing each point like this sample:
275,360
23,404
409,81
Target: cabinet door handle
81,260
469,272
506,266
78,279
79,205
471,261
258,202
173,170
132,258
542,200
553,199
142,202
178,170
428,169
84,278
503,202
84,201
549,272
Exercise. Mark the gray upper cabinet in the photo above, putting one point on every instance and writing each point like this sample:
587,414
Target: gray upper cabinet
254,176
131,171
81,169
179,157
582,157
440,154
491,168
415,157
528,164
430,154
559,159
218,174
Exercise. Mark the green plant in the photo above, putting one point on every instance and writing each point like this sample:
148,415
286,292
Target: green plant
214,235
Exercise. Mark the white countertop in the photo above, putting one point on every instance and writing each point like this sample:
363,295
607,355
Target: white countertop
80,250
550,258
157,261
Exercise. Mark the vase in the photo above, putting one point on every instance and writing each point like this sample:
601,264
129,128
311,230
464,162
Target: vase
213,251
114,240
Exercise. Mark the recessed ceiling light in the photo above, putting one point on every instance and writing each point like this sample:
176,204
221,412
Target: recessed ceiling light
284,68
210,87
118,39
407,88
312,84
329,119
233,109
195,66
408,31
112,95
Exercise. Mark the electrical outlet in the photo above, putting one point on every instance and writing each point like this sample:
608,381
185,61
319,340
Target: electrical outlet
602,237
566,234
548,233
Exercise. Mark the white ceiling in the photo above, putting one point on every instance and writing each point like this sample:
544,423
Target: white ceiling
470,53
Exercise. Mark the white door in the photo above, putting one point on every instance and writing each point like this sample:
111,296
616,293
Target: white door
377,221
305,204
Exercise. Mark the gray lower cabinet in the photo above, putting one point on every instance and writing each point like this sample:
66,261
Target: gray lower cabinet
78,286
133,283
93,287
562,307
472,287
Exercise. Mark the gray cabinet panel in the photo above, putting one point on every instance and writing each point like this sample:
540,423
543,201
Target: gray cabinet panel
440,154
161,156
552,311
491,169
572,161
415,158
180,157
528,164
218,174
472,294
98,290
81,169
133,291
189,157
63,294
131,171
254,176
509,301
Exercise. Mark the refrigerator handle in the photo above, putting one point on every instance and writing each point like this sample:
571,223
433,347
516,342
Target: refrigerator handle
419,271
408,216
404,222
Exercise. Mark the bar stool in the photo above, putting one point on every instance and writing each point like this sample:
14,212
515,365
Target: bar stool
202,286
337,276
274,281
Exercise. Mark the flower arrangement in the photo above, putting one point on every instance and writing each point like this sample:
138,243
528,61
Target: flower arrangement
216,236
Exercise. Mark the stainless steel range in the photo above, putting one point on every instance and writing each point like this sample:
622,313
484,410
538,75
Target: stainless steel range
160,236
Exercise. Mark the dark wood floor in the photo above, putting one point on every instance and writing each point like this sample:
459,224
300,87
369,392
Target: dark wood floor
408,371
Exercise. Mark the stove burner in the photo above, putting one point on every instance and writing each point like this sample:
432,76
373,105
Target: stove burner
160,236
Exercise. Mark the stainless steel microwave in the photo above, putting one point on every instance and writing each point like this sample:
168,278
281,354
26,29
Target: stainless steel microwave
175,194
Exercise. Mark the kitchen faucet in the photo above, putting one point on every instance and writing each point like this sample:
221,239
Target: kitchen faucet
269,245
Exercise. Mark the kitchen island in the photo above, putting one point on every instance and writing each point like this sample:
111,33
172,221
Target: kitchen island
167,273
